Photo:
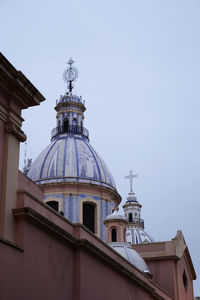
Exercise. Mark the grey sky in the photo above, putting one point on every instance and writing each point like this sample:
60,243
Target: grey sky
139,72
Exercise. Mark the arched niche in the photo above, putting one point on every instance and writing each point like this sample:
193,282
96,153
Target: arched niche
65,125
130,217
114,235
89,216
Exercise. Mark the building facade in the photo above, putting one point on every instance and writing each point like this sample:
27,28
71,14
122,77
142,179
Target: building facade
43,255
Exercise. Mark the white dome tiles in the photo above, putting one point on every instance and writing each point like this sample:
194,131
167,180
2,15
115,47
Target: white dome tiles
137,236
70,158
125,250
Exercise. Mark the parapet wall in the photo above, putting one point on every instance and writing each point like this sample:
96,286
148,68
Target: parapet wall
55,259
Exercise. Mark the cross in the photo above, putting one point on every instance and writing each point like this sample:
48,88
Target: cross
131,176
70,62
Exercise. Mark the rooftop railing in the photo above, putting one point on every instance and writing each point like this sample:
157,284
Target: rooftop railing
138,221
75,129
70,98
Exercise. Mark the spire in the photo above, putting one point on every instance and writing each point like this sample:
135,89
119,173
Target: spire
70,108
70,75
135,233
132,208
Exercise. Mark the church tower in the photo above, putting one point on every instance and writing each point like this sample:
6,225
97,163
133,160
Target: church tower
135,233
75,180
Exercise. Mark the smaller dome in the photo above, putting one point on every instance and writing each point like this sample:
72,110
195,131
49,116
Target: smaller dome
131,198
115,215
125,250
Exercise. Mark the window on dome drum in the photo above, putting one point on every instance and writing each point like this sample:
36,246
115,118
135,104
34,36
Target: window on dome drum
130,217
74,122
114,235
65,125
185,281
53,204
89,216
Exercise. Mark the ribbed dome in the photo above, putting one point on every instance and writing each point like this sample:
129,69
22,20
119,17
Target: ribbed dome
125,250
137,235
70,158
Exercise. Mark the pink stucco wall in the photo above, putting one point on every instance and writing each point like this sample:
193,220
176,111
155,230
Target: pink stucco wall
167,265
1,150
163,272
185,293
50,267
55,259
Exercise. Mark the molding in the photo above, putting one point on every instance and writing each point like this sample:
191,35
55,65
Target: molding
10,127
79,189
16,86
12,122
3,113
9,243
70,103
36,218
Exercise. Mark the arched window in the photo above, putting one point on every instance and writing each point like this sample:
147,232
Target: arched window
53,204
114,235
130,217
65,125
89,216
74,124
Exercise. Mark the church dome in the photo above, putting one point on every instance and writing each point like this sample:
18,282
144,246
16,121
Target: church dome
125,250
137,235
70,158
75,180
115,216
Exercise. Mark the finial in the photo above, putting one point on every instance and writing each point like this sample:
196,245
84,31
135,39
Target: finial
131,176
70,74
27,162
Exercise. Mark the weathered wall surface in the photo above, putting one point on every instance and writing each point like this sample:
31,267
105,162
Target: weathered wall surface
167,262
56,259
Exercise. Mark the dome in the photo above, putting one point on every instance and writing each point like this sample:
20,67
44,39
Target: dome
70,158
131,198
125,250
115,215
137,235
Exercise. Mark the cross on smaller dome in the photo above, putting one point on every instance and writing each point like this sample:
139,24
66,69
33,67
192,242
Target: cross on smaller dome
131,176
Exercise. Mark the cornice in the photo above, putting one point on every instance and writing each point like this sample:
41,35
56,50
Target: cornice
10,127
117,197
17,86
70,103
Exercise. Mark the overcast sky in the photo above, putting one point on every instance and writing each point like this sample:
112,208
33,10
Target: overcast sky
139,73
